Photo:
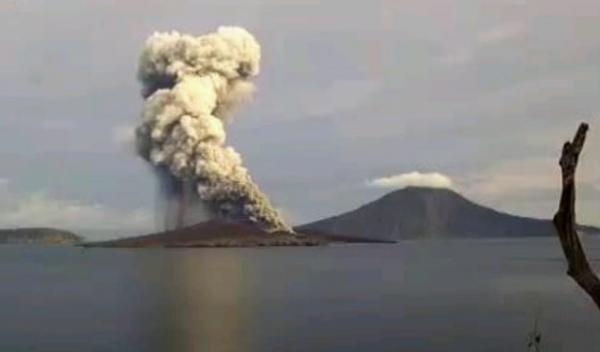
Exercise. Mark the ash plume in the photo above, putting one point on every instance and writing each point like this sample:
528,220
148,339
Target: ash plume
179,201
191,86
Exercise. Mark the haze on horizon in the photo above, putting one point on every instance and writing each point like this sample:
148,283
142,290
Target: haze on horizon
353,100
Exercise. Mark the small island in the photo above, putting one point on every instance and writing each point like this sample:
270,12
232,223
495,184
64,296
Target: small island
39,236
215,233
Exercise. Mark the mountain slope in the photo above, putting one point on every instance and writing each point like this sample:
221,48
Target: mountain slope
417,212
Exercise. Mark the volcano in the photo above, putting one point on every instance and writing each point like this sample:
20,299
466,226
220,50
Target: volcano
427,213
220,233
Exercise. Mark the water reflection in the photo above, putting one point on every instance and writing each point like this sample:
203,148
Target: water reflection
201,302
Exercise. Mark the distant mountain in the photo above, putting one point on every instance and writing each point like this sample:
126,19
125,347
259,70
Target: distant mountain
39,235
416,212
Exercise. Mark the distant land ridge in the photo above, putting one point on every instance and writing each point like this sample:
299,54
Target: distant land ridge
39,235
426,213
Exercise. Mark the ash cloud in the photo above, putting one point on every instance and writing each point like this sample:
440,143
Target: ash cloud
191,86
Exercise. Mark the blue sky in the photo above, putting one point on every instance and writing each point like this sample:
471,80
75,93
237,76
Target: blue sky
483,92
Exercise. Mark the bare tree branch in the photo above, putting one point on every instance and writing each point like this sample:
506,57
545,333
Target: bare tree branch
564,220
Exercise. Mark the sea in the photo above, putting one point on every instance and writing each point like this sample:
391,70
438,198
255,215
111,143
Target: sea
430,295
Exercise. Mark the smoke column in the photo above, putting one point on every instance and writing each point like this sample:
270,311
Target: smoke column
191,85
179,201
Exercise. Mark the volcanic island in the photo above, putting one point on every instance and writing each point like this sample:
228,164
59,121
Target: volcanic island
221,233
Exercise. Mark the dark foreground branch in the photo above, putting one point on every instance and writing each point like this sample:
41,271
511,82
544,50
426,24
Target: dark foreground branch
564,220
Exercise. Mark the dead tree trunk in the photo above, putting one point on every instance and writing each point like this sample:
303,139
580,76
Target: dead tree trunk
564,220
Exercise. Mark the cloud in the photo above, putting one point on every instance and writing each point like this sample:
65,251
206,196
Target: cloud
465,53
415,178
39,209
515,178
500,33
527,186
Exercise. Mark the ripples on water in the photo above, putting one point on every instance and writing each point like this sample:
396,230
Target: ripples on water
462,295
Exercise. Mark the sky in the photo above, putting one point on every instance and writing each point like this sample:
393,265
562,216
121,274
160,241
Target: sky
354,99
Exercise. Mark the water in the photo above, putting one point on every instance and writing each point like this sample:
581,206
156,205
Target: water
461,295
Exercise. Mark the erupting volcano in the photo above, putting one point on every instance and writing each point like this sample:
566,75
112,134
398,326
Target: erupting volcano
191,87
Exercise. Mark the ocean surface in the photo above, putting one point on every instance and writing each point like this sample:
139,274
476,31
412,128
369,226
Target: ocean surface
459,295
